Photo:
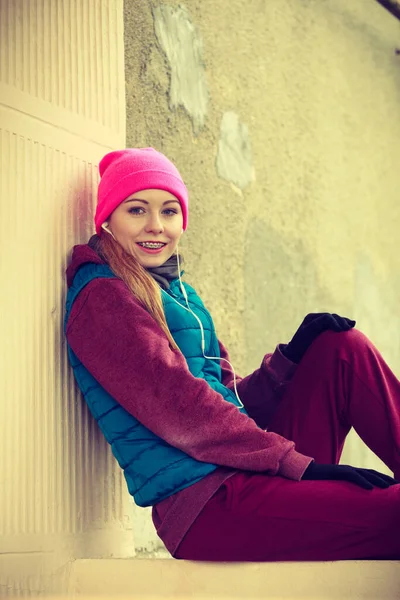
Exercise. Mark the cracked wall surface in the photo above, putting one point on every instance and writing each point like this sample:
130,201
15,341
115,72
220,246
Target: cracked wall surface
289,151
234,158
182,45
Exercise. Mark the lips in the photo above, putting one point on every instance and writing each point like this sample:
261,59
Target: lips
151,242
151,250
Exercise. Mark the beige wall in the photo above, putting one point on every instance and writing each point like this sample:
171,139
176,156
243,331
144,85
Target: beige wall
297,105
62,496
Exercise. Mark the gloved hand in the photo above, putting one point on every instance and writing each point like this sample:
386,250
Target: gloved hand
311,327
365,478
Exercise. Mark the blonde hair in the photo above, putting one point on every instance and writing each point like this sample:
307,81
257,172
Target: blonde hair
142,285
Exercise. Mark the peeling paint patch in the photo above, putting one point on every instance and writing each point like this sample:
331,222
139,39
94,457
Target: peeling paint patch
183,47
234,159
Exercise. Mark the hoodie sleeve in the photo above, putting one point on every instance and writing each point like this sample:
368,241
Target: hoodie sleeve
125,350
261,391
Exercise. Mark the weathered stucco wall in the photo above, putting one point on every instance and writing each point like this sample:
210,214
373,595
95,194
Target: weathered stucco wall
283,117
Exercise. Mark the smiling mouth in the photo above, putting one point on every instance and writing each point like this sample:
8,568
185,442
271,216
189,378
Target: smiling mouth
151,250
154,246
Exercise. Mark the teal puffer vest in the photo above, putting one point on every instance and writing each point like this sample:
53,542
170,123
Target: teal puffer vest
153,469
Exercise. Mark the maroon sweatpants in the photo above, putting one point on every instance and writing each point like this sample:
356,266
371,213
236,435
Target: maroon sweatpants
341,382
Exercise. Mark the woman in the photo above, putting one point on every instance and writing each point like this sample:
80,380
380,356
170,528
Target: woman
245,472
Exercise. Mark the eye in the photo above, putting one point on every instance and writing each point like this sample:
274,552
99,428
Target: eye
171,211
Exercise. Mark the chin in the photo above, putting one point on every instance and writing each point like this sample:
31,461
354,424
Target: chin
155,261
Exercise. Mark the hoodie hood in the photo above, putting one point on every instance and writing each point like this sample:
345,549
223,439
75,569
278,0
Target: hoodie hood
81,254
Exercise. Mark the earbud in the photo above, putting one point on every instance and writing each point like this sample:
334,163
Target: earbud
104,226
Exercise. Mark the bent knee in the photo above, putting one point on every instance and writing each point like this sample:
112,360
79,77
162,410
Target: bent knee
352,339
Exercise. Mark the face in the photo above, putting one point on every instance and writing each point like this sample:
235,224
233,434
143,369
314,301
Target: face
148,216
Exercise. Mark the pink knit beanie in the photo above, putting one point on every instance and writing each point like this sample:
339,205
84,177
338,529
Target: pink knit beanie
124,172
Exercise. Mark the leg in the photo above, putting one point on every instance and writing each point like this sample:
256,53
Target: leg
260,518
342,381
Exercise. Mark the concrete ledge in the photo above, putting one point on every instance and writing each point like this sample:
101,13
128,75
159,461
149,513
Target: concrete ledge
158,578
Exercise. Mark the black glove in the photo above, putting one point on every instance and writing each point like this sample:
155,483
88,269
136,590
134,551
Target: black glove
311,327
365,478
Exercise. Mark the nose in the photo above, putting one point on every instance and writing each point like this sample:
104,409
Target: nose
154,223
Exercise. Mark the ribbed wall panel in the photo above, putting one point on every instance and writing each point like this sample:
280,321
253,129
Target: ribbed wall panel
57,473
55,458
62,52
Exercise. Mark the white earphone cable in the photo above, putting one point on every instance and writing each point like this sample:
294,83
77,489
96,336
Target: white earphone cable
202,331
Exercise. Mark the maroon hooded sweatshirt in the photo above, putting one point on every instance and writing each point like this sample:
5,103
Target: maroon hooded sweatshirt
125,350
